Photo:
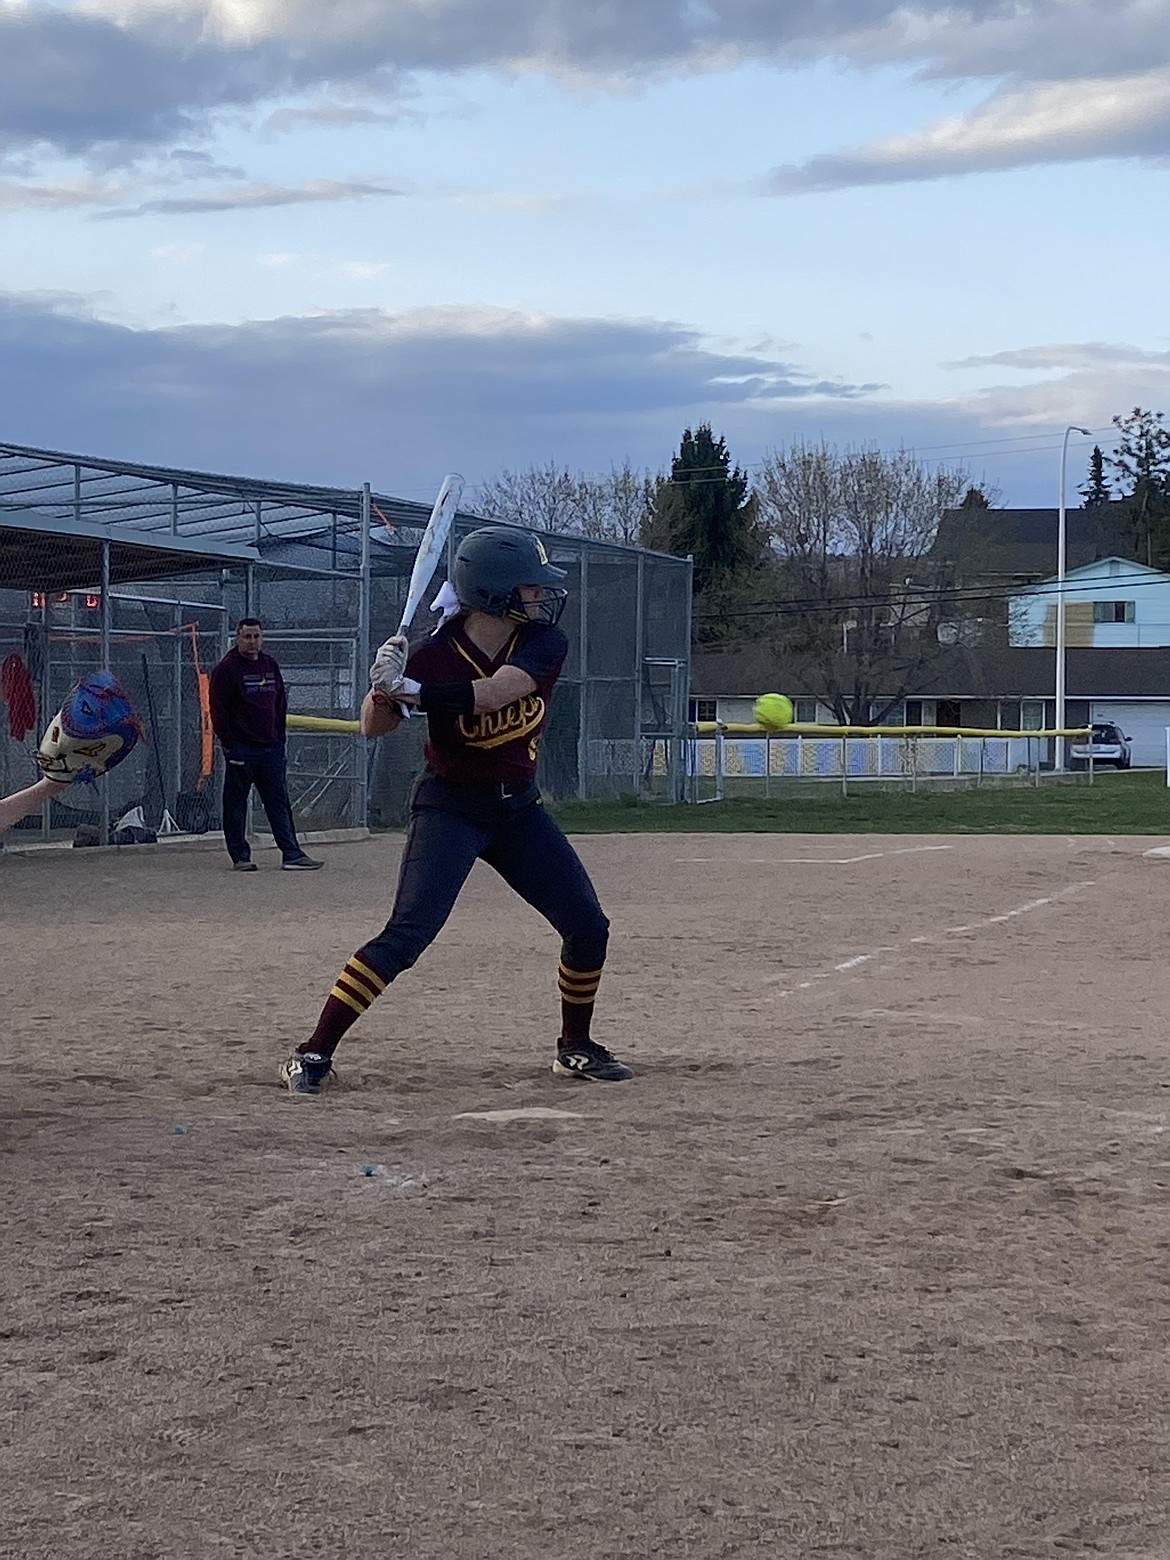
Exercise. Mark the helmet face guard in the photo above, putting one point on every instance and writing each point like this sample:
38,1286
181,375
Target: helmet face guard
494,562
547,609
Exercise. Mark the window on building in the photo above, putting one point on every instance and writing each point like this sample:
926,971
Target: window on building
1113,611
1031,714
704,709
804,711
914,712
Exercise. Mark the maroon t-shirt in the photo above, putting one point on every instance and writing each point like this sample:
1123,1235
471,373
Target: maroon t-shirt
502,745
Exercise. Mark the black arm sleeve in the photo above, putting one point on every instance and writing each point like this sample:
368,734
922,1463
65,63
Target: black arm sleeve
454,698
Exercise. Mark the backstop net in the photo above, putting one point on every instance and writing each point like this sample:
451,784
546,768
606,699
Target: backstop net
146,571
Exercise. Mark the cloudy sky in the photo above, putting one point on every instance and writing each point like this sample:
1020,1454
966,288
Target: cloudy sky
383,239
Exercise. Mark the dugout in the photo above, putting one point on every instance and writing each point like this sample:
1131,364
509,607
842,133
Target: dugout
146,569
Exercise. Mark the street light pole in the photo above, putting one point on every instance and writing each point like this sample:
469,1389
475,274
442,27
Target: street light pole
1061,560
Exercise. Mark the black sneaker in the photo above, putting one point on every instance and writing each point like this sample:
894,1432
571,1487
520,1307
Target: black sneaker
244,866
306,1072
301,864
587,1060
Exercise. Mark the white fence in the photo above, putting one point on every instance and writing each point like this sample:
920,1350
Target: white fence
908,758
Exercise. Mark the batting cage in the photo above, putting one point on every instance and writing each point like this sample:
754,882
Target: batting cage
146,571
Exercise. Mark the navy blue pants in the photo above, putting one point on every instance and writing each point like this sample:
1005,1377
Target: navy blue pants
266,769
454,826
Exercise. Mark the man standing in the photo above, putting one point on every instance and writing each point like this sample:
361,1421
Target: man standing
249,706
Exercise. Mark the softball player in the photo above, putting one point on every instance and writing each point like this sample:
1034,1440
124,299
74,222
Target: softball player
484,680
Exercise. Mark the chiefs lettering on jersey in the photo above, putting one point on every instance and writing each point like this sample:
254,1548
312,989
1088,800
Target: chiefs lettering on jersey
500,745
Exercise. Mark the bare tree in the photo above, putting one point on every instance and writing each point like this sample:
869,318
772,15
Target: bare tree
542,497
862,597
610,508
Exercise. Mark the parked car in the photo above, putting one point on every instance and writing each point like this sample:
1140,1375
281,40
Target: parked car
1107,744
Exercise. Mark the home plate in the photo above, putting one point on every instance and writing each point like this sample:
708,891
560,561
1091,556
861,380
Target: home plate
524,1113
1158,850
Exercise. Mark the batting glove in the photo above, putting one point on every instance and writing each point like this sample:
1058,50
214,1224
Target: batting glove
406,690
389,663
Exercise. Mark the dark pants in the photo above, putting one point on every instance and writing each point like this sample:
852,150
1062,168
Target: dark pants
266,769
452,827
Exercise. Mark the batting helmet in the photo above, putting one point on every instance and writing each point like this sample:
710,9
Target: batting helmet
491,565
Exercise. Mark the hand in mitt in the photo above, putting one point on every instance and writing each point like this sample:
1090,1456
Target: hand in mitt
94,730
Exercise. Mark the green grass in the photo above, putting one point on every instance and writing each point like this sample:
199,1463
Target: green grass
1134,803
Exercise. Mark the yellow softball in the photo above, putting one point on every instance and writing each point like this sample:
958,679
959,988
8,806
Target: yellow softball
773,711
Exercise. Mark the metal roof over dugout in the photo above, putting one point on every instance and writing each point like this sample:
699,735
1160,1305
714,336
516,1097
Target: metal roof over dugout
165,520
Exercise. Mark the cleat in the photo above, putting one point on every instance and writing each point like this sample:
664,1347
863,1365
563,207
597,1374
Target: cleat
301,864
244,866
592,1063
307,1072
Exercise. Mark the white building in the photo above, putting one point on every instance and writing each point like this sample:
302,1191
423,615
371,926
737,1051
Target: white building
1113,604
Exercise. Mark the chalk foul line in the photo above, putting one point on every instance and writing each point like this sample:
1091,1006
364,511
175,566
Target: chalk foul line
817,861
860,959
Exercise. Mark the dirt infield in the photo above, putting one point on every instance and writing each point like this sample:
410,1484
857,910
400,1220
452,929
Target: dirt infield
872,1260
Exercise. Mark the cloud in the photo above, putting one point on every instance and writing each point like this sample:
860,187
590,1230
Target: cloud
506,202
332,115
63,195
178,254
347,395
1076,78
261,195
364,270
398,399
1087,384
75,82
1067,355
1066,121
1088,398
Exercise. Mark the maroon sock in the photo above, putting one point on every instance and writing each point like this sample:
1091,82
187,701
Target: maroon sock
578,991
356,989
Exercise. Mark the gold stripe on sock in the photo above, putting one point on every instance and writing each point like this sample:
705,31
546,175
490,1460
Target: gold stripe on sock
367,973
578,1001
359,984
575,977
579,991
344,996
359,993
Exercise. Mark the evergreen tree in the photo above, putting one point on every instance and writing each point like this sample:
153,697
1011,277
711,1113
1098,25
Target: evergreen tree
1096,490
1142,464
975,498
704,509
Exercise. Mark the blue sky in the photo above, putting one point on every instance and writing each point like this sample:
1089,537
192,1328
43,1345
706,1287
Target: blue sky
383,239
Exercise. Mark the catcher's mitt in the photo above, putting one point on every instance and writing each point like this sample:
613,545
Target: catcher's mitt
94,730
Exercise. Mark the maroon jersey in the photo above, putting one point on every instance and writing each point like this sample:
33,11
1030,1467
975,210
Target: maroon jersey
502,745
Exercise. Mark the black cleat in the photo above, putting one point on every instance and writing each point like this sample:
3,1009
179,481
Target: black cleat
307,1072
301,864
244,866
592,1063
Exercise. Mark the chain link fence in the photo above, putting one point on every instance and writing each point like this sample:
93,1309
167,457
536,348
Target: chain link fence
147,570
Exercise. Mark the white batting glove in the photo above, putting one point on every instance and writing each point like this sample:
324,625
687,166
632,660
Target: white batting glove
405,690
389,663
